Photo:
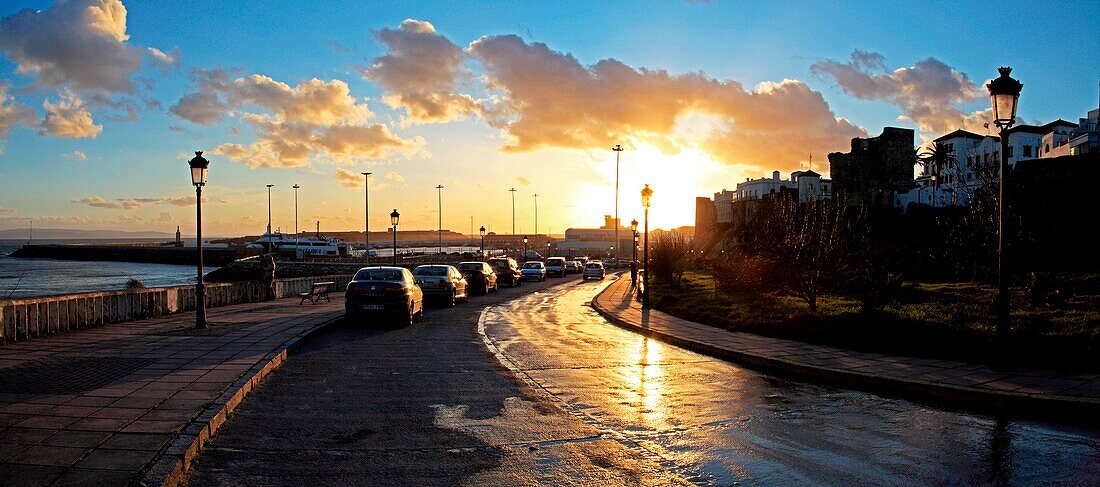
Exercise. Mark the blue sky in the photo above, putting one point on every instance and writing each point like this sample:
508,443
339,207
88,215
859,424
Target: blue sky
1052,47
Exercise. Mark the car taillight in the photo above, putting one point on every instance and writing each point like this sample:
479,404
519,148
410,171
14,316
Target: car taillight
443,283
356,287
394,289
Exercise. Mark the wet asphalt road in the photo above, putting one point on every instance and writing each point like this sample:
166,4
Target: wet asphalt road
544,391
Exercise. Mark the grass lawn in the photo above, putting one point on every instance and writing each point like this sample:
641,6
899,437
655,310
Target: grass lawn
946,320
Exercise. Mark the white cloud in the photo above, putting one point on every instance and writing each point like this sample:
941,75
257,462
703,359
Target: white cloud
76,156
12,113
163,59
77,43
68,118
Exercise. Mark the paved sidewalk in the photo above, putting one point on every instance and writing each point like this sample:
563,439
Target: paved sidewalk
1037,391
102,405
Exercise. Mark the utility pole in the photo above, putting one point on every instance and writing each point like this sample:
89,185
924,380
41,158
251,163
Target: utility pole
270,244
439,189
513,191
536,213
618,149
296,220
366,217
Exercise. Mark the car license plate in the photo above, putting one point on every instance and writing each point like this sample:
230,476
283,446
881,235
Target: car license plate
374,306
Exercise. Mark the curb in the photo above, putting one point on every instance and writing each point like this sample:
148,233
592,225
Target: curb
1040,405
172,464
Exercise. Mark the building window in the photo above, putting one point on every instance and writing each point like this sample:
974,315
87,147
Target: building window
1027,151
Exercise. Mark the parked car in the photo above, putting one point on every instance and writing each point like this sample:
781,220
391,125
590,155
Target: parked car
507,270
442,282
556,266
479,276
533,271
384,291
594,270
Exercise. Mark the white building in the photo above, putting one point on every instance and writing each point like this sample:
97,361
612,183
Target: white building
810,185
723,206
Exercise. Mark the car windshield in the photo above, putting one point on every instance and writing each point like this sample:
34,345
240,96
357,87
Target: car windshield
379,275
532,265
469,266
430,271
593,266
499,263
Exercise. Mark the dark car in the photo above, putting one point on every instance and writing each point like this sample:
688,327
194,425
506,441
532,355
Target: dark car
479,276
442,282
507,271
384,291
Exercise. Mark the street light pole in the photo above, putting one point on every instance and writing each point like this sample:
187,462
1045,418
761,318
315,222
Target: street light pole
439,190
513,191
634,233
525,248
647,196
366,217
483,241
394,217
536,213
618,149
199,166
1004,92
270,244
296,220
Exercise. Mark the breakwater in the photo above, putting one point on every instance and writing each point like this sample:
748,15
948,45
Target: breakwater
25,318
132,253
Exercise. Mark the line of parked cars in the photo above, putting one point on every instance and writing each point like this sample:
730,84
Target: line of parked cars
399,294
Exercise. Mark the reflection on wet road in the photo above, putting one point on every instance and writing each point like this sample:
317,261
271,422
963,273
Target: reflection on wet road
722,424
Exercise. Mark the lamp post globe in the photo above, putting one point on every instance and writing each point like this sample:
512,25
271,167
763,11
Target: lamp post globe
1004,93
199,165
525,248
394,218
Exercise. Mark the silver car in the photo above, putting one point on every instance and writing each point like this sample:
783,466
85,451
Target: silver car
593,270
442,282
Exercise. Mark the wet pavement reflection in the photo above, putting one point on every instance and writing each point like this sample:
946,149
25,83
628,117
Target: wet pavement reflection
723,424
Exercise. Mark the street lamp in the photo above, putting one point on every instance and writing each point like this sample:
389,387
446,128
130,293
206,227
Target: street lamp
536,213
270,243
296,220
647,195
366,217
934,183
548,248
198,178
1004,92
439,190
482,241
525,248
394,217
634,232
513,191
618,150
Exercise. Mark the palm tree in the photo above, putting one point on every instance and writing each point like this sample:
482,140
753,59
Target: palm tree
936,158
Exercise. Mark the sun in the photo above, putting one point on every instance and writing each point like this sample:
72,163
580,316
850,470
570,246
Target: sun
676,179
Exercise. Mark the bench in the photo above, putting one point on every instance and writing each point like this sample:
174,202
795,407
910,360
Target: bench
318,291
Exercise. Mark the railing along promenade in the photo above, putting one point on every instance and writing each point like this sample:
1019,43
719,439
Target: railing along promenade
25,318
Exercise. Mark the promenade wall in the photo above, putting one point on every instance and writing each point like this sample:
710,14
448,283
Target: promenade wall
25,318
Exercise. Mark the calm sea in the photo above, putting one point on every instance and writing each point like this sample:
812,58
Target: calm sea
43,277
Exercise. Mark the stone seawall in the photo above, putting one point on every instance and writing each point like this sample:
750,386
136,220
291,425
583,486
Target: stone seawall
25,318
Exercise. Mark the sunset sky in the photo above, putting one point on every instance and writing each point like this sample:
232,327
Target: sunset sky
102,102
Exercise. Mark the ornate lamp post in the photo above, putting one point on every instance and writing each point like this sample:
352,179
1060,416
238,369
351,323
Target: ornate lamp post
394,217
482,230
647,195
618,150
1004,92
270,244
634,232
366,217
525,248
198,178
934,186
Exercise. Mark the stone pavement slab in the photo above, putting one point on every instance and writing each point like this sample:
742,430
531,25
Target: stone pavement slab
1048,392
101,405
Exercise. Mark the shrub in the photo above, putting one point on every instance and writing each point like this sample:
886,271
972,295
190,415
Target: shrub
134,284
668,257
745,274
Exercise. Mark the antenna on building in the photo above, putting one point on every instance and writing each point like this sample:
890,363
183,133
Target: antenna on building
318,228
810,165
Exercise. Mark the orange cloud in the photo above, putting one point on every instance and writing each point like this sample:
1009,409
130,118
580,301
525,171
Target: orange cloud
551,100
420,70
68,118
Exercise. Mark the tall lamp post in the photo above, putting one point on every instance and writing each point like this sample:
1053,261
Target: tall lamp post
935,185
647,195
618,150
634,232
536,213
439,190
548,248
513,191
366,217
270,244
394,217
198,178
525,248
296,220
482,230
1004,92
